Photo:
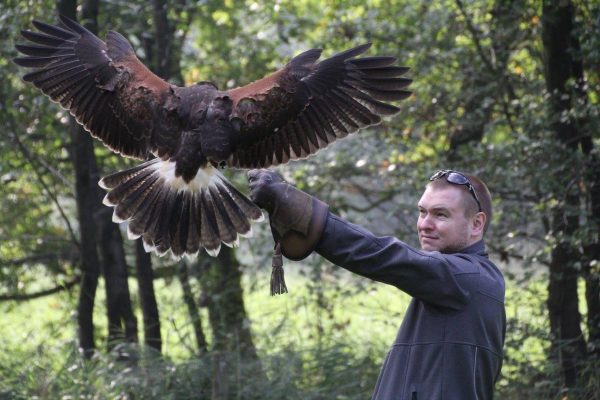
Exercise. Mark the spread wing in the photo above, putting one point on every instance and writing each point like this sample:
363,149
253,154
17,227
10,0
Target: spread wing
102,84
306,105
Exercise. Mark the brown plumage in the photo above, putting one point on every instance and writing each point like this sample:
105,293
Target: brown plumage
179,201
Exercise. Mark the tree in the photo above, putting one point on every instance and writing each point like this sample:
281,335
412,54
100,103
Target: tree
95,223
221,282
507,89
148,304
86,170
566,85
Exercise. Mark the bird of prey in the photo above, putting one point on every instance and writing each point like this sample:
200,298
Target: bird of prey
177,200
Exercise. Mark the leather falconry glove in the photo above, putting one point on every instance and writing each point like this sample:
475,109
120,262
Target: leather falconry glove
297,218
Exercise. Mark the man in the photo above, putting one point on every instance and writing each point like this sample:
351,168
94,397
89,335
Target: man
449,345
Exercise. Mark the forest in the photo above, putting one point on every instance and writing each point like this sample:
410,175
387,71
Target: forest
508,90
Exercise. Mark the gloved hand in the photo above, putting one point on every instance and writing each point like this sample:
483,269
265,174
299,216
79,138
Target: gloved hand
297,219
265,188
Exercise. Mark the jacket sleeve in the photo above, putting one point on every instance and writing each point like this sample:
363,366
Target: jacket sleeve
429,276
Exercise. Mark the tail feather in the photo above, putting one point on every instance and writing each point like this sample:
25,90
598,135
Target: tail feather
236,216
226,229
192,243
180,230
175,216
245,205
209,230
169,238
143,178
142,217
150,230
162,237
131,202
118,178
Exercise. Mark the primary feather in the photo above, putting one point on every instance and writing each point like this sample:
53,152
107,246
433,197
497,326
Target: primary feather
179,201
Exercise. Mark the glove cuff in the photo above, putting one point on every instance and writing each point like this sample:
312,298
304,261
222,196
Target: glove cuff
298,220
297,246
293,211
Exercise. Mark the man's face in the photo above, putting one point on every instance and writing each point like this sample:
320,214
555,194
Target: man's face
442,225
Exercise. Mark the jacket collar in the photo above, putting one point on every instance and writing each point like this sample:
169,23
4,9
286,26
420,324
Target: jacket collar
476,248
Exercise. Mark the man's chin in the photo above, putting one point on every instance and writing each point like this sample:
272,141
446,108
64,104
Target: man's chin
428,246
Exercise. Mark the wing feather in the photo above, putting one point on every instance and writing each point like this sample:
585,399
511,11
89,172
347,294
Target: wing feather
372,62
102,84
46,40
310,133
307,105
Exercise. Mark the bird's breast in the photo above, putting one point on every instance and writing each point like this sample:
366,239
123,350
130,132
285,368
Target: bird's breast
217,140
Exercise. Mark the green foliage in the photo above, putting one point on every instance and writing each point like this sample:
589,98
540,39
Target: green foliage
307,353
314,343
35,233
478,79
527,373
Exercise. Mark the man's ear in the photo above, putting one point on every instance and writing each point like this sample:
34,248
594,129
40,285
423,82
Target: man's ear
478,223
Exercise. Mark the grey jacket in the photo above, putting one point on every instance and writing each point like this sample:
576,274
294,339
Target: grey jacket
449,345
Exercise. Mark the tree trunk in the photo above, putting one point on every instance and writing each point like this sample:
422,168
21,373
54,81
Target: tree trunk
592,252
122,321
232,339
145,278
90,262
93,222
86,197
164,39
591,181
160,50
235,332
188,298
563,307
592,296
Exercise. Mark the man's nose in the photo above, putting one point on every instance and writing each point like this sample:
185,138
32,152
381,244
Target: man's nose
425,222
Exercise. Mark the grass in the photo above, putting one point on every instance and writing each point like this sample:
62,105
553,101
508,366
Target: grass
326,339
320,349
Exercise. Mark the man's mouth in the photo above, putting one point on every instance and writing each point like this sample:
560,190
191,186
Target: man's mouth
427,237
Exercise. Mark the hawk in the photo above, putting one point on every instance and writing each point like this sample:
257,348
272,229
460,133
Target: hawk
177,200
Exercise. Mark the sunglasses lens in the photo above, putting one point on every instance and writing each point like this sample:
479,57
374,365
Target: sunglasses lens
457,179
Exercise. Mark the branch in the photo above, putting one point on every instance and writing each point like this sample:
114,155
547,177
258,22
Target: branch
28,155
471,28
506,255
47,292
495,72
372,204
36,258
179,7
53,171
515,195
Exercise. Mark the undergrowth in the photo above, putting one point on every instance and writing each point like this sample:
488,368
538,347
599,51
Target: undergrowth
306,351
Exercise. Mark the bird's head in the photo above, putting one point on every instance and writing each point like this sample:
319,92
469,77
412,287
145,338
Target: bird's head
218,110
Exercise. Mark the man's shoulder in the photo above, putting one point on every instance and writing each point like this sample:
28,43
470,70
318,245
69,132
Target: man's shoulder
483,275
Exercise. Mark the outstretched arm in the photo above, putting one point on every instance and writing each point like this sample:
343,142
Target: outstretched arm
431,277
304,224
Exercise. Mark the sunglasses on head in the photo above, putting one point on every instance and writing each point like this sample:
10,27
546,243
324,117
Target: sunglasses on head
456,178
